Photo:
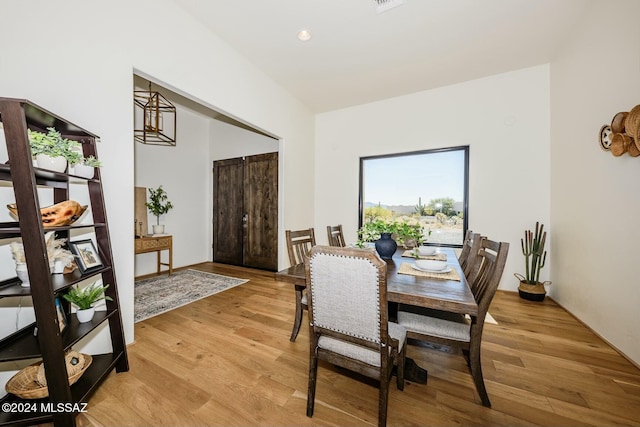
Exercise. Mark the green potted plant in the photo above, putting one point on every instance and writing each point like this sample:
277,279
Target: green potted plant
382,232
85,298
158,204
535,257
52,151
86,167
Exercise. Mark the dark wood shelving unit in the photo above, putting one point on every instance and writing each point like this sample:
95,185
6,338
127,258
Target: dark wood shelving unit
49,344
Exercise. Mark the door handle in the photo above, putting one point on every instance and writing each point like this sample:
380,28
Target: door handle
245,220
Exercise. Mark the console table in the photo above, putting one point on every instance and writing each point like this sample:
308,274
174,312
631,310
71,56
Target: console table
156,244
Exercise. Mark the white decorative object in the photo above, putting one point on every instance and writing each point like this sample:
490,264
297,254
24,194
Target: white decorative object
158,229
84,171
56,164
58,266
85,315
23,274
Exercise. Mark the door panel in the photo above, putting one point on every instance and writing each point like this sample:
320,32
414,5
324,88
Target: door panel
228,211
248,187
261,206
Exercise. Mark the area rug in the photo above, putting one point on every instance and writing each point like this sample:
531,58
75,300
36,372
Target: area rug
160,294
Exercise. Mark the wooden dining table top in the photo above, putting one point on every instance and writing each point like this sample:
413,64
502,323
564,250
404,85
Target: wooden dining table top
430,292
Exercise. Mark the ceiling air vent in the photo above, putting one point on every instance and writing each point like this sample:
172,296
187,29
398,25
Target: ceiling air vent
384,5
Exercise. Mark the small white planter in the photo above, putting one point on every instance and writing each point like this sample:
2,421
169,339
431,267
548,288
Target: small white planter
58,267
56,164
85,316
84,171
158,229
23,274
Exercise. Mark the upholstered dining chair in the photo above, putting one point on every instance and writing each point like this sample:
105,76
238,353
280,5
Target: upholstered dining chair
299,243
457,330
334,233
348,319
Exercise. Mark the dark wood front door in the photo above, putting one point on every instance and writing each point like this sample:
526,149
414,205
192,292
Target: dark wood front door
245,211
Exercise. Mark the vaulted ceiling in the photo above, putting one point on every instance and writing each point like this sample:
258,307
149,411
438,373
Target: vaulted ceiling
358,55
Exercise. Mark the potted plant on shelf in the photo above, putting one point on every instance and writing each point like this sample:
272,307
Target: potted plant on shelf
86,167
52,151
84,299
535,257
158,204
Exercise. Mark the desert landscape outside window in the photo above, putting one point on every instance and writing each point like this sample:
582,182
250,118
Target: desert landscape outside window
428,187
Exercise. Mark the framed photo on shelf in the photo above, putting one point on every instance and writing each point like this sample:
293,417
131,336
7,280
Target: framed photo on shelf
86,255
62,318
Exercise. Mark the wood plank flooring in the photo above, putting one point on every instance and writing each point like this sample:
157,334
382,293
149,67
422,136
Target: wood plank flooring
226,360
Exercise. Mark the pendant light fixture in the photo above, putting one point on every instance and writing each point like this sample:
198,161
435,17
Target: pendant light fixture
154,118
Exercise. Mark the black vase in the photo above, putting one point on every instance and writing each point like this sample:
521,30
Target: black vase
386,246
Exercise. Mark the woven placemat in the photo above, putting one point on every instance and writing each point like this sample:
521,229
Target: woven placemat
437,257
406,268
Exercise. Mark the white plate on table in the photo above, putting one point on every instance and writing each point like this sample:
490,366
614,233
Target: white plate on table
447,269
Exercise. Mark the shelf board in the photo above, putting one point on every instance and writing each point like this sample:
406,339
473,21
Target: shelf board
81,391
24,345
45,177
12,229
13,288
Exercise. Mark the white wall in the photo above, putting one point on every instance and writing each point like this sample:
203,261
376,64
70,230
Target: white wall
83,71
594,198
505,121
184,173
228,142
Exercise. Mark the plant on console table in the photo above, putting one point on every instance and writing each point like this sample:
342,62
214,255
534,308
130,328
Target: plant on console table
158,204
535,258
84,299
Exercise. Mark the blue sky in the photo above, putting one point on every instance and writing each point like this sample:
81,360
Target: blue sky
401,180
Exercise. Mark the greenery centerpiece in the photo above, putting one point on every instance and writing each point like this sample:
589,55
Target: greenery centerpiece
535,257
158,204
401,232
53,145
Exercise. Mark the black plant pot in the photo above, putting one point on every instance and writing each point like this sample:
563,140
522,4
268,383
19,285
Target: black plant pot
532,292
386,246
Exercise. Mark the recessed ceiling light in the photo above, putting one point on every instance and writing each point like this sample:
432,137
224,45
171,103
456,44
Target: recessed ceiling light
304,35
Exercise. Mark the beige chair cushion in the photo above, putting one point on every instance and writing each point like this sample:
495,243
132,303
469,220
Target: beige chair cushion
452,327
363,354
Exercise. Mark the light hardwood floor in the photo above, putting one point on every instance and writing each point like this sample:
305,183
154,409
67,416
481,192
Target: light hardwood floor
226,360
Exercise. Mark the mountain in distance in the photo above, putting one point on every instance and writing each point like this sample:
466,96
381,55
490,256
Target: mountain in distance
406,209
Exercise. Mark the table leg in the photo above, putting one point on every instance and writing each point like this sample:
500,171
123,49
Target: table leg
298,316
413,372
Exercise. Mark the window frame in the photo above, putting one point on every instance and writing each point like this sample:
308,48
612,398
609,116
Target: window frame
465,202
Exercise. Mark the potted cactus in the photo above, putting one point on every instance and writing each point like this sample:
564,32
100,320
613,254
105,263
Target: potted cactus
535,258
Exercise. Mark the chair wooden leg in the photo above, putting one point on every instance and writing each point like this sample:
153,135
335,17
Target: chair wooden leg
400,367
476,372
383,400
297,321
311,392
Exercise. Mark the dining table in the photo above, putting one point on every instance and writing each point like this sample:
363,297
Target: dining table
406,284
